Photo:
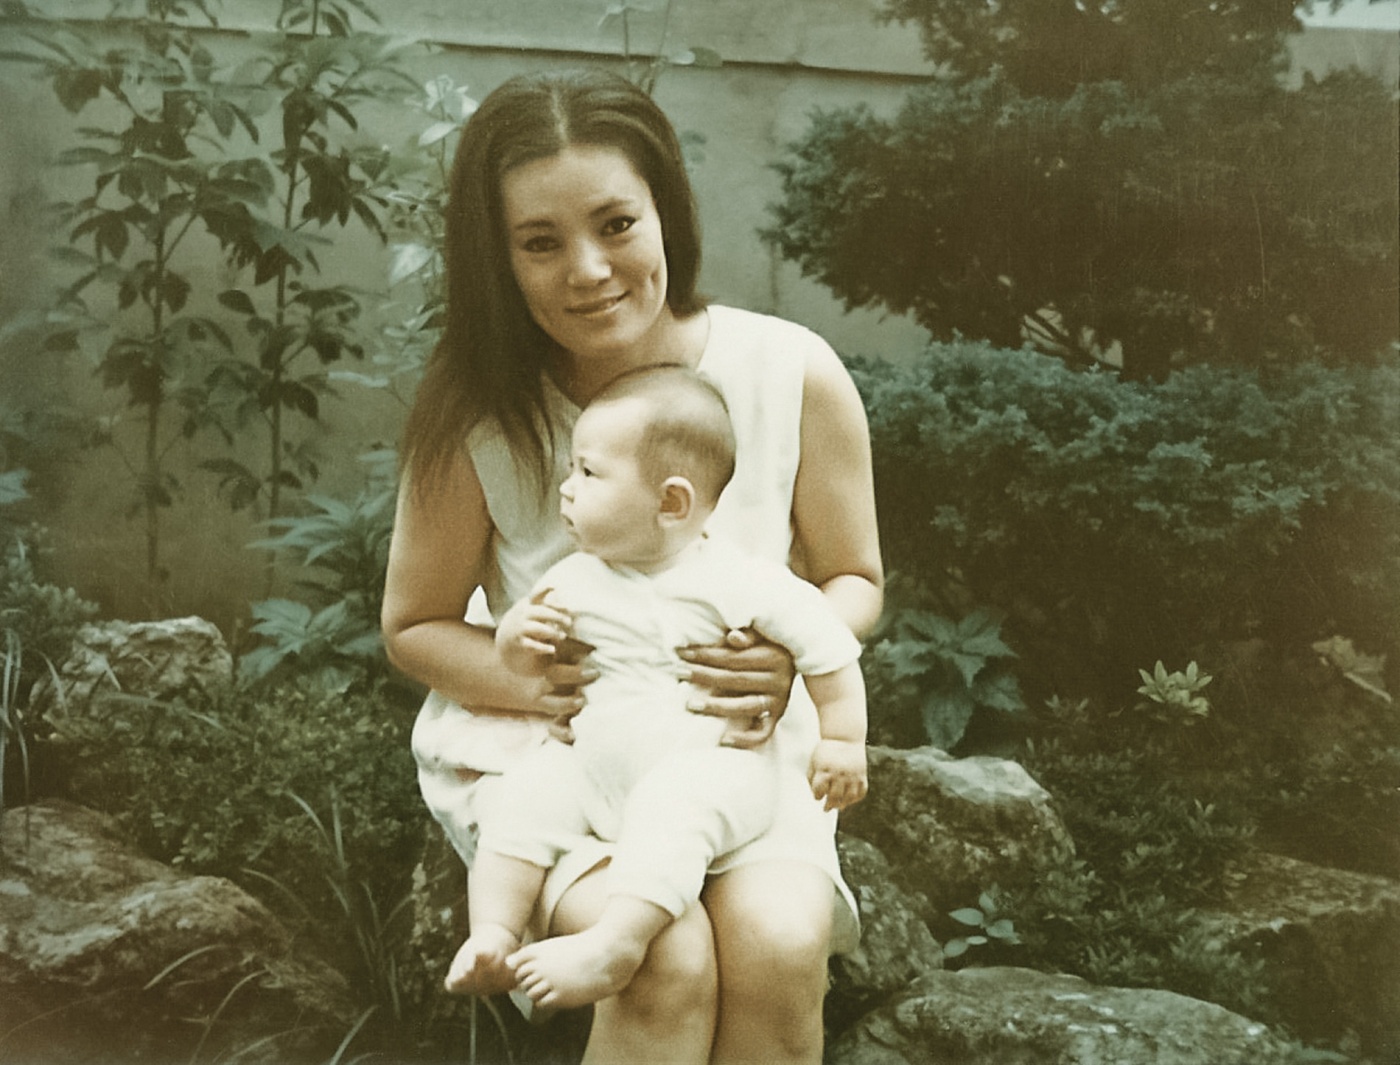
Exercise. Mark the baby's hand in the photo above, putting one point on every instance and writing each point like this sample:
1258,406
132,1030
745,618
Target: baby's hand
838,773
529,635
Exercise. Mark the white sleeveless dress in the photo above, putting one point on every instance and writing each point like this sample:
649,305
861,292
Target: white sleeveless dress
759,363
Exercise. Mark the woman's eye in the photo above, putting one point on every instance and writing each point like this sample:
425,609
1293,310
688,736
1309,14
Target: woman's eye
620,224
536,245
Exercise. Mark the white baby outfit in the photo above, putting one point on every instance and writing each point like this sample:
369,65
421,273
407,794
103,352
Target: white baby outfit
643,770
759,363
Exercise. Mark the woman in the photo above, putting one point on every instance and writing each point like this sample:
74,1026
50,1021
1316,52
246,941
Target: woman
572,256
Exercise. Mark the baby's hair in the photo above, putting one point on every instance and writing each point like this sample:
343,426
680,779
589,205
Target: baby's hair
687,432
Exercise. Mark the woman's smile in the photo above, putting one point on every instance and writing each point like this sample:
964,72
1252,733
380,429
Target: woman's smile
597,308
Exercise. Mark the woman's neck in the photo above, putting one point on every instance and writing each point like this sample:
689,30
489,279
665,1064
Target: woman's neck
675,340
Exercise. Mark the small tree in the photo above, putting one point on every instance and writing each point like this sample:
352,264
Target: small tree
149,192
177,164
1085,175
320,75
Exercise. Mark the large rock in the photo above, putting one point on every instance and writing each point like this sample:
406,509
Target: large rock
160,660
108,957
1021,1017
896,946
953,827
1331,942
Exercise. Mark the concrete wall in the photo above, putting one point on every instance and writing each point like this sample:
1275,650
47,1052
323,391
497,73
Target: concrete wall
782,58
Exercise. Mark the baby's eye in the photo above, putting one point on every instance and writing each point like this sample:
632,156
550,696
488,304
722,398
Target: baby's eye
618,225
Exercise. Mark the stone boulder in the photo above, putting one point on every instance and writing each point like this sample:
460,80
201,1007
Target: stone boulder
953,827
1330,940
1004,1016
896,946
159,660
107,957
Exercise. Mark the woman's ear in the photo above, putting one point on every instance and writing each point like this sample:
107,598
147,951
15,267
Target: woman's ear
677,500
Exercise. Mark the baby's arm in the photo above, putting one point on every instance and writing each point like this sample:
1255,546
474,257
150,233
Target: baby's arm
529,635
838,772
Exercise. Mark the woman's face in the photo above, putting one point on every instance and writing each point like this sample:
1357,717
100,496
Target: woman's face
586,250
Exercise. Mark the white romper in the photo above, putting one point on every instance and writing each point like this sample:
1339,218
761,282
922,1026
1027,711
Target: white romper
759,363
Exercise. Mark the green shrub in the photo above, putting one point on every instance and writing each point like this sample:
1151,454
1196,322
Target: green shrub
1115,523
210,786
227,787
343,546
1151,856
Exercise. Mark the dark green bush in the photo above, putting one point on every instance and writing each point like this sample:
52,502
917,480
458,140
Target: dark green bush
1119,523
211,787
306,797
1152,855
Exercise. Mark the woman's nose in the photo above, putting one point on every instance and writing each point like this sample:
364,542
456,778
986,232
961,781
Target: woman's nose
589,264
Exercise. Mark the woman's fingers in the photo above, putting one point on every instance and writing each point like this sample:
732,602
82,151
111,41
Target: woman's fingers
755,658
746,734
560,729
739,683
751,718
570,678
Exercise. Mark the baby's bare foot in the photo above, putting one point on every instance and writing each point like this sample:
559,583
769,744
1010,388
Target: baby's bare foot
480,965
575,970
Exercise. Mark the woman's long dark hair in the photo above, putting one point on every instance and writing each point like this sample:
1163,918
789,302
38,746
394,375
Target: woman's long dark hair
490,361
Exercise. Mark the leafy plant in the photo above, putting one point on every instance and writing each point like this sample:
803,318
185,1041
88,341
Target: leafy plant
940,672
646,74
1367,672
358,916
307,798
1175,698
344,547
987,923
38,621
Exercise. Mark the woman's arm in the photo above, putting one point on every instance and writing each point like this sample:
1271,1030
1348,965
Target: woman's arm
437,558
837,543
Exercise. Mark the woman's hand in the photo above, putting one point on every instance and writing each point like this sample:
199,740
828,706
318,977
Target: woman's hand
748,680
564,679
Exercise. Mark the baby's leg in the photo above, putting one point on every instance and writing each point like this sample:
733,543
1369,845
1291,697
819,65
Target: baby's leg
691,808
594,964
528,817
501,894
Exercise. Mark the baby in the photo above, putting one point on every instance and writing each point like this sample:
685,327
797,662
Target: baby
651,455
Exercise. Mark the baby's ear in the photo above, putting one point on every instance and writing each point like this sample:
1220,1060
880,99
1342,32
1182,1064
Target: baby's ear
677,499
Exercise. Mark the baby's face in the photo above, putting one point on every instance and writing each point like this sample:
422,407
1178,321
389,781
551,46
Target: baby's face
610,509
